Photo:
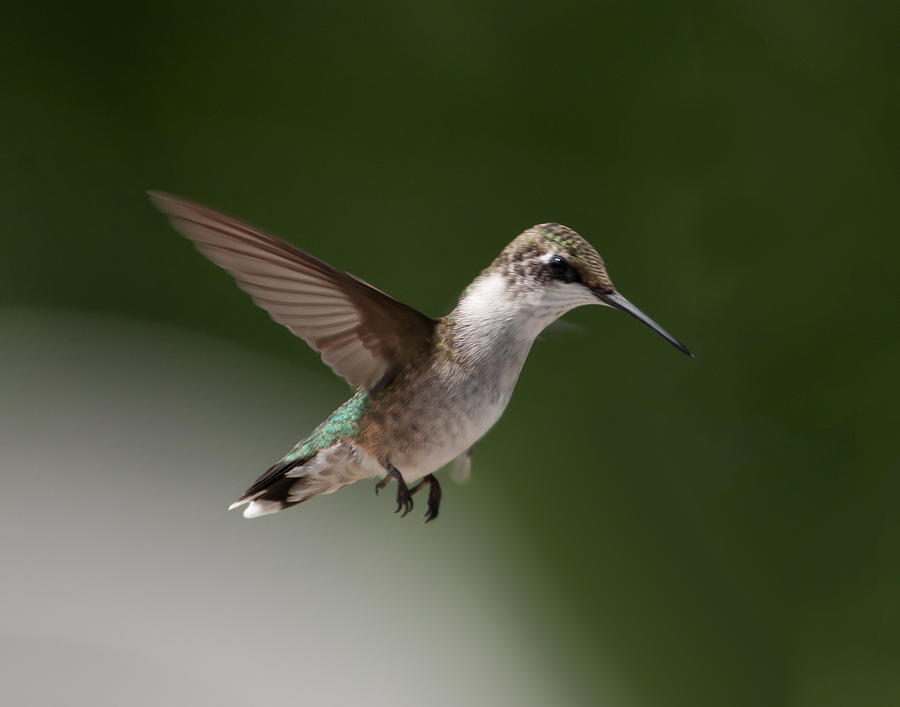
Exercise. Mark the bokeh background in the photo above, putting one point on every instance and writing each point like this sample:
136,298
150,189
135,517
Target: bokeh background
640,529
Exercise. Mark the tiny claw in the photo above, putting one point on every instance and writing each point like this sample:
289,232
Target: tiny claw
434,496
404,498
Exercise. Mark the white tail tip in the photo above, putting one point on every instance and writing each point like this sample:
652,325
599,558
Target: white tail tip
262,508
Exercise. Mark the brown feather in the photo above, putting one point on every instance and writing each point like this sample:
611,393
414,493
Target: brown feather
361,332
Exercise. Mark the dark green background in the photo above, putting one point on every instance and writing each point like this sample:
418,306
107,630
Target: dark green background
725,528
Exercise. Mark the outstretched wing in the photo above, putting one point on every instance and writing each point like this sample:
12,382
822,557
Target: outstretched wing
361,332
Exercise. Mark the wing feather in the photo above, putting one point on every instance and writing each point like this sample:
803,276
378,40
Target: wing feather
361,332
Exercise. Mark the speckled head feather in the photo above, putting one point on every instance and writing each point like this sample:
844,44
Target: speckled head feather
560,240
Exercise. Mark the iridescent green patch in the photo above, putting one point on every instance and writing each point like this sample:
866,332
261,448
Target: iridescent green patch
341,424
560,235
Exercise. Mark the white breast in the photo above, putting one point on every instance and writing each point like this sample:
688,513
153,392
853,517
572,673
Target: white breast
492,337
453,431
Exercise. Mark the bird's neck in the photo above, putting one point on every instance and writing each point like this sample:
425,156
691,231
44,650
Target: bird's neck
494,325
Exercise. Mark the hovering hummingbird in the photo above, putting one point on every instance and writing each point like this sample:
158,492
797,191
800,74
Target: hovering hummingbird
426,389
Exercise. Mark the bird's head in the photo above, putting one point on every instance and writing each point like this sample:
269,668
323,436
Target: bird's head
554,269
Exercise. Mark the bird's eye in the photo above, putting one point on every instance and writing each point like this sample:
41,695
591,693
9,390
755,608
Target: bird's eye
561,270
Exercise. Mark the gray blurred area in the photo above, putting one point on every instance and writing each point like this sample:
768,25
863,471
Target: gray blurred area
126,582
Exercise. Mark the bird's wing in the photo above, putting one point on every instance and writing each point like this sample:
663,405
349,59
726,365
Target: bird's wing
362,333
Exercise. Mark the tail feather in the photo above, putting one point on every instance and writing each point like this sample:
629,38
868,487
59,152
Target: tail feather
271,491
288,483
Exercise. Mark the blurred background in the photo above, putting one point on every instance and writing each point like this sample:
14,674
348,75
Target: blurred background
640,528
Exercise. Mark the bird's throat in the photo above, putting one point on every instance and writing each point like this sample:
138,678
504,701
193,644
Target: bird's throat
493,327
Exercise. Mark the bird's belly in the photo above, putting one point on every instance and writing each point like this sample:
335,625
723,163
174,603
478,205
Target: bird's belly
432,440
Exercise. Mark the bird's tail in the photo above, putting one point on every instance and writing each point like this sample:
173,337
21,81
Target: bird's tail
292,481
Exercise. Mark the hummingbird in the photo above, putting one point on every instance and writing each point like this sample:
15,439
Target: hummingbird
425,390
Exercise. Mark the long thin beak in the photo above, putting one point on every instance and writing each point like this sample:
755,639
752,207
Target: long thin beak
614,299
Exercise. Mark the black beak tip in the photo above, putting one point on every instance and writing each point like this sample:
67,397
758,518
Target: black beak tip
617,301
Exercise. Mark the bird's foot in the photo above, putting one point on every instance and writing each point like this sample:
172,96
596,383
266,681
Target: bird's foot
434,496
404,497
